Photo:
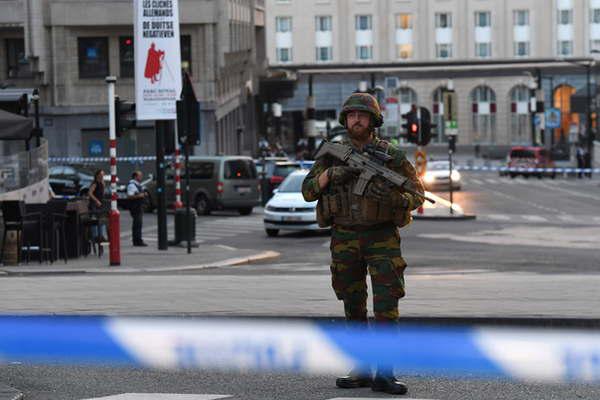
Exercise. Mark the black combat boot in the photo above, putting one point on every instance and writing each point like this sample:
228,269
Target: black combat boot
354,379
385,381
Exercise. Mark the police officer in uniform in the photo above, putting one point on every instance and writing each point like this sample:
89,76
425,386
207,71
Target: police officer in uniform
365,235
136,196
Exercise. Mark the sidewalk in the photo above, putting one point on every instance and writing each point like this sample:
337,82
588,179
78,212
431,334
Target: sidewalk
146,259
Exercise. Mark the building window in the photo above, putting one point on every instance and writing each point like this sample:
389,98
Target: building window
363,22
323,24
521,18
126,56
483,19
565,47
364,52
283,24
443,20
443,50
437,115
324,54
93,57
484,114
565,17
595,15
284,54
595,44
404,51
520,118
483,50
185,42
16,62
404,21
521,49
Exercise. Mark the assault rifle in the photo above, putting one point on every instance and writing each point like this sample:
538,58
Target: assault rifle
370,168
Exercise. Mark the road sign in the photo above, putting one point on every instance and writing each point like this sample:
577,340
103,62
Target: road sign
451,128
553,118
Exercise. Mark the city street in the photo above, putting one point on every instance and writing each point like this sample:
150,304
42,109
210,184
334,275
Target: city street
531,252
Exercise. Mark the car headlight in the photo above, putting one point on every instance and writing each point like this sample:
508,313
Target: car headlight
428,178
455,176
270,208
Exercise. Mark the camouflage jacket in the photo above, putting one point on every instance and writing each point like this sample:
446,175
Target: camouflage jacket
400,164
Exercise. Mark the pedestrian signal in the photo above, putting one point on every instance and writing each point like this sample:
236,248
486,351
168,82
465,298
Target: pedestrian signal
411,127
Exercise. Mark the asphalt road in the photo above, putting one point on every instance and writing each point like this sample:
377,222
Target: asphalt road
532,251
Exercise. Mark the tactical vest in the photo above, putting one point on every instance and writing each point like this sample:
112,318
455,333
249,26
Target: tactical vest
339,206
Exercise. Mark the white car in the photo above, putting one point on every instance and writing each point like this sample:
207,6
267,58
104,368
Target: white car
437,176
287,210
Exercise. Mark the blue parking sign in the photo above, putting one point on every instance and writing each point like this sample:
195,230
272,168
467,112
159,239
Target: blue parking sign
553,119
96,147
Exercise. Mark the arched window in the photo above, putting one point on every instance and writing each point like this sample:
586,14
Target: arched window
483,100
520,120
406,98
437,115
562,101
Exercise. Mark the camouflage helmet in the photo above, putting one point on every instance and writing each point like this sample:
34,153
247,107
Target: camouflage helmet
362,102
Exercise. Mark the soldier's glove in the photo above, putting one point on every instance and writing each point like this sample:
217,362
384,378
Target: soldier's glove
342,174
379,191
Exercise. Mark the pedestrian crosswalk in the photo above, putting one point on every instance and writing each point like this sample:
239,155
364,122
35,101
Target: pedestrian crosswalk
481,180
527,218
217,228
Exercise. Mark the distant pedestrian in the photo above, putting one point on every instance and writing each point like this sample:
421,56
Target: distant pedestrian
95,194
580,155
136,196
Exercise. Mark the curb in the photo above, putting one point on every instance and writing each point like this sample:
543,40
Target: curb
230,262
463,217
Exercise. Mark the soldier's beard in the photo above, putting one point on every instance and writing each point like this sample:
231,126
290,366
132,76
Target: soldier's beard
359,133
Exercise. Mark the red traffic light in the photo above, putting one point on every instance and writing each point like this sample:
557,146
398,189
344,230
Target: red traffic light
128,42
414,128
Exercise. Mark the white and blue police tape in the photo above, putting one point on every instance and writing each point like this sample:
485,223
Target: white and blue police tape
308,164
89,160
302,346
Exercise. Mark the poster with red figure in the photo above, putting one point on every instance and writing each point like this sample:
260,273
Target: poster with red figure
157,59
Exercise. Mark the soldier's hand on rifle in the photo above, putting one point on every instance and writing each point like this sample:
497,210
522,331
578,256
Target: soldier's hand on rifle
342,174
379,191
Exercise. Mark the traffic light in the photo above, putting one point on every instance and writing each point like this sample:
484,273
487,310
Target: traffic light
411,127
426,126
124,116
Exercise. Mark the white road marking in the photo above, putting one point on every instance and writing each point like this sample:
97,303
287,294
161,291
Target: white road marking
475,181
492,181
497,217
522,235
534,218
161,396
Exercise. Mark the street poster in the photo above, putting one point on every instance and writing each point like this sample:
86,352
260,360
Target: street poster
157,59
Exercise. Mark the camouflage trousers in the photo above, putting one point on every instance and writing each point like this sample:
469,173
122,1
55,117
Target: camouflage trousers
376,251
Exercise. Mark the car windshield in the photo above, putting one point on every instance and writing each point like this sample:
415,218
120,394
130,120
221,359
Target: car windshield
292,184
285,170
438,166
522,154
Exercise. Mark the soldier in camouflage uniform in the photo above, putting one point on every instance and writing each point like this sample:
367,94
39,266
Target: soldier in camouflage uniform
364,229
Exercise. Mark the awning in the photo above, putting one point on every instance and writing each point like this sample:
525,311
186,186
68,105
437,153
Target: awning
14,94
14,126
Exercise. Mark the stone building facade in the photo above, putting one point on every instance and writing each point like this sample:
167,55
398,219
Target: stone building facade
66,48
495,52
